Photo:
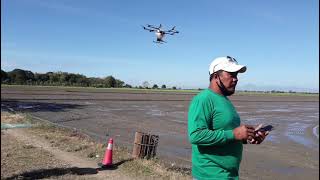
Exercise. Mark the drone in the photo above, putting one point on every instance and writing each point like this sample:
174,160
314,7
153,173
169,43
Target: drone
159,32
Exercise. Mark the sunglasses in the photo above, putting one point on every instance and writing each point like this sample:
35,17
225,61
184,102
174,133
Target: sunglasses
232,59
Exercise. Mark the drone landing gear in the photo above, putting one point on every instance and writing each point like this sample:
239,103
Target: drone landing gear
159,42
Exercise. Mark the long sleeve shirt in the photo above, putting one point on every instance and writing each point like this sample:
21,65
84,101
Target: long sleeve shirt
215,152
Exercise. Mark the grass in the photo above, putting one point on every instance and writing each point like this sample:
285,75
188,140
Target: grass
18,158
93,89
76,142
242,93
135,90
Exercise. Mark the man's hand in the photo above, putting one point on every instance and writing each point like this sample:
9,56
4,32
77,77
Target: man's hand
244,132
259,135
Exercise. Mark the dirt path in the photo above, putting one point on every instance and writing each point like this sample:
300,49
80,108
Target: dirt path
66,157
51,152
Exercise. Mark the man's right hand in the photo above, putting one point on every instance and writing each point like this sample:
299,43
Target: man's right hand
243,132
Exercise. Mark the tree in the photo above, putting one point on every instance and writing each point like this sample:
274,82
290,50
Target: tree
127,86
163,87
145,84
18,76
63,78
110,81
41,78
29,75
53,78
174,87
119,83
4,76
82,80
73,78
155,86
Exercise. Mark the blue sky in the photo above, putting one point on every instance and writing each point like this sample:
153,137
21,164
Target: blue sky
276,40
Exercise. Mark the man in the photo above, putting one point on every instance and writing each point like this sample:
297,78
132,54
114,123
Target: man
214,125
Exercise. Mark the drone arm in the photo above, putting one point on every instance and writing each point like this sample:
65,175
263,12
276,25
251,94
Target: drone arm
151,26
170,32
148,29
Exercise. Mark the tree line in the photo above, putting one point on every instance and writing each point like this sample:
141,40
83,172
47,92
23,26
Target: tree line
25,77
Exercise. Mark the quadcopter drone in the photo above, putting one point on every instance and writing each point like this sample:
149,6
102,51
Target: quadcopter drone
159,32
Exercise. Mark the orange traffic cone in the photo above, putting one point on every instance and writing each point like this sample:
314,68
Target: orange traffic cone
107,160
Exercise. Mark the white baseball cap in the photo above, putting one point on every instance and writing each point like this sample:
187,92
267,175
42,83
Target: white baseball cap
226,63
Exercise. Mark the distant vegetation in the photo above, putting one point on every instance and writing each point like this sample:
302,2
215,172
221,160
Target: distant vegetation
25,77
275,92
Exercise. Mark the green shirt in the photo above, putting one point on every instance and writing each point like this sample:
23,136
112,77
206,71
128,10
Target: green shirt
215,152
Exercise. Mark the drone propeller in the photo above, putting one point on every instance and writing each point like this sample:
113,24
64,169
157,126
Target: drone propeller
150,30
173,30
153,27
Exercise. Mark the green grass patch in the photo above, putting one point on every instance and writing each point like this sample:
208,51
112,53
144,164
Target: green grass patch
243,93
145,91
93,89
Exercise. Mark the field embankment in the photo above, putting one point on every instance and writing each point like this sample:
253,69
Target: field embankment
46,151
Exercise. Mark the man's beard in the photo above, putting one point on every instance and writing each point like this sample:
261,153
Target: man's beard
224,90
228,92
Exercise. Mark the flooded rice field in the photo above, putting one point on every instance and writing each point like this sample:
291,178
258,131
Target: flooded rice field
104,114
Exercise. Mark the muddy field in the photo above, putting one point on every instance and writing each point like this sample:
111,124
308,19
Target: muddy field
290,151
